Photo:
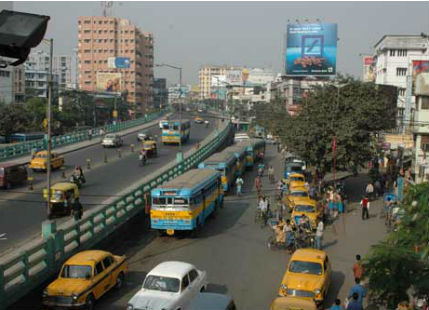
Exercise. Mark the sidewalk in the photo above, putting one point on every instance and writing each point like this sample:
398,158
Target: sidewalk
94,141
346,237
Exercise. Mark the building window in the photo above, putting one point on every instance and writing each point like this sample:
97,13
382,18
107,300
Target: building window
425,103
401,71
401,92
87,22
392,52
86,31
402,53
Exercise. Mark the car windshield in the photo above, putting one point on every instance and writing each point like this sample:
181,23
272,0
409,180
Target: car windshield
299,194
41,155
297,179
76,271
305,267
304,208
163,284
110,136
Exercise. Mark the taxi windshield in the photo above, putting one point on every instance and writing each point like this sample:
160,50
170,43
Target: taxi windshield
76,271
305,267
41,155
163,284
304,208
299,194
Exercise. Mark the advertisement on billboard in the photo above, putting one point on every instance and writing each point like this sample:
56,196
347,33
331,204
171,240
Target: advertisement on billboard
109,82
118,62
233,77
311,49
368,69
420,77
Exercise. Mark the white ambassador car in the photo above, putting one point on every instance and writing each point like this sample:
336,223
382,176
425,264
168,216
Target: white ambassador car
112,139
169,286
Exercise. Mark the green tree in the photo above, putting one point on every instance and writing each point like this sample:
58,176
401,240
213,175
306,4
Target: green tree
352,112
400,263
13,118
36,110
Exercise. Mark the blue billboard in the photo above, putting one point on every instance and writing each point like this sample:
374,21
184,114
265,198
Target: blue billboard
119,62
311,49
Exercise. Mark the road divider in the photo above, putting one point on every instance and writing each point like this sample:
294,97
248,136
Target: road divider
32,264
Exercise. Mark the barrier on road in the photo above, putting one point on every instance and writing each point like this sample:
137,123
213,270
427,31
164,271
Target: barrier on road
39,261
25,148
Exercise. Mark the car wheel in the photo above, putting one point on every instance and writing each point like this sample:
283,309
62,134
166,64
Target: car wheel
89,304
119,281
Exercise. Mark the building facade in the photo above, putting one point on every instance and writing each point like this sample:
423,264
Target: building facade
64,68
6,85
104,38
18,87
160,93
206,74
392,60
37,74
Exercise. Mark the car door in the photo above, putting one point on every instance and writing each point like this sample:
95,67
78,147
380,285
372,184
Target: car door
327,272
186,292
100,281
109,263
195,281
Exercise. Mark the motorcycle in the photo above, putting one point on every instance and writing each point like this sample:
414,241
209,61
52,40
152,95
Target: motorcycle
142,159
78,180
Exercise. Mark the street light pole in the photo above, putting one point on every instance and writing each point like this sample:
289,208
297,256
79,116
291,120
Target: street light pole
49,119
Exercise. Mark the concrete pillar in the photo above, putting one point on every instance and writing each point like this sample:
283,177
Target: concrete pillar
49,228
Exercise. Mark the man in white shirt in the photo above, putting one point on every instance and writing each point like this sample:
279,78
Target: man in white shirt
319,235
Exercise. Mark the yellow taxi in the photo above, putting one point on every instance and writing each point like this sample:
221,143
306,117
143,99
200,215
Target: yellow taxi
292,303
151,148
84,278
308,208
40,160
199,120
295,177
294,194
308,276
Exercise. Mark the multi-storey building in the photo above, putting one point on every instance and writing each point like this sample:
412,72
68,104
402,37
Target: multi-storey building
160,93
104,38
64,68
37,74
18,87
6,85
206,74
393,58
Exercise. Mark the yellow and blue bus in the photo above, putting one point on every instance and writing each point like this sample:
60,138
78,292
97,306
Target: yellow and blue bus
239,152
185,202
225,162
254,150
175,131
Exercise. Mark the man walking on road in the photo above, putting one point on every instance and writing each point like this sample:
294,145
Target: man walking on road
239,183
354,303
319,235
271,174
258,184
357,268
369,190
358,290
365,207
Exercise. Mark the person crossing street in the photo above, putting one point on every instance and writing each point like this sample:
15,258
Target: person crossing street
365,207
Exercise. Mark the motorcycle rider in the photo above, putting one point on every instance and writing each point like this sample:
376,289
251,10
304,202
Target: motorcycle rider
77,176
143,157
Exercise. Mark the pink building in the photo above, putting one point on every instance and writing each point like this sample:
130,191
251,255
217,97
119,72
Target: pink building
101,39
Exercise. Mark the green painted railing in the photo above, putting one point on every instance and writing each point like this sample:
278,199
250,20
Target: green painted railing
30,266
25,148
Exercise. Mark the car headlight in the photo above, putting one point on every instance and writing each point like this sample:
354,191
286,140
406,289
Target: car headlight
130,307
317,291
283,287
74,297
45,293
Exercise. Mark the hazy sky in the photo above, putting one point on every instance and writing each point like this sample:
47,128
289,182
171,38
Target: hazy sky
189,34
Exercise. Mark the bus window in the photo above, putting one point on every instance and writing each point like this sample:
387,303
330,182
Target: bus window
158,201
176,127
181,201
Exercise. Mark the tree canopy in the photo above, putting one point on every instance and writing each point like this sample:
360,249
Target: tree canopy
346,108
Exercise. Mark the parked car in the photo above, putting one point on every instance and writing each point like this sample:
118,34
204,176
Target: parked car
212,301
199,120
169,286
39,161
84,278
112,139
307,276
12,174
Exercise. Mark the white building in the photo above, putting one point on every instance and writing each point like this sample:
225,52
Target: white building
175,92
37,74
393,59
6,85
63,66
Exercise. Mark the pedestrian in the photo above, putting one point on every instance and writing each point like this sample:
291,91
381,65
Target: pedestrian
90,134
271,174
377,187
326,212
365,207
77,209
339,203
353,304
337,305
369,190
358,290
288,231
357,268
318,236
239,183
258,184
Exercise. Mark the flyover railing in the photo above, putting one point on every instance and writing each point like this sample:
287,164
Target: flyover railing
33,264
25,148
